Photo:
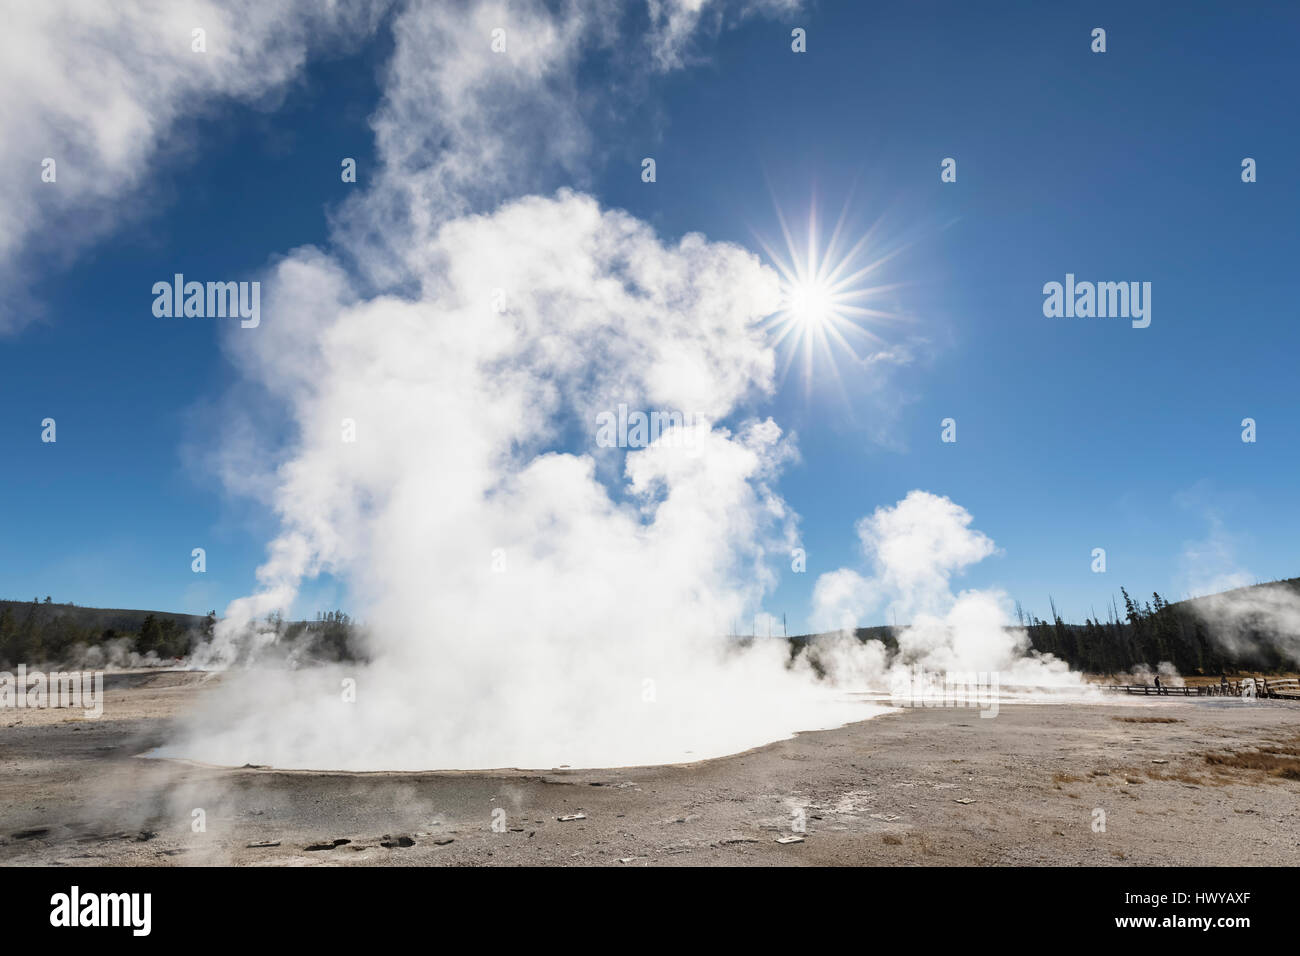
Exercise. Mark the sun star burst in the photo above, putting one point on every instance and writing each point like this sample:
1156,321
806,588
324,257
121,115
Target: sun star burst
827,312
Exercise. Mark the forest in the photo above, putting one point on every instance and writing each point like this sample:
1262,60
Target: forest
1194,635
1134,635
39,633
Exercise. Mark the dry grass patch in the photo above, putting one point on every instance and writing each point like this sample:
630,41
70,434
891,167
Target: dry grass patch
1280,759
1286,749
1267,761
1149,720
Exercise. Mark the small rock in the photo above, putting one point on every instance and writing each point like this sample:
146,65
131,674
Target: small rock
327,846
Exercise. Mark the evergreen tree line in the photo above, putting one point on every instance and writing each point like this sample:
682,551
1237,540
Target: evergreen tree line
1145,634
1189,634
43,633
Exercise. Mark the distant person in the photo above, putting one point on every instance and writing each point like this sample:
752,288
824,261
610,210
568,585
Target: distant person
1158,691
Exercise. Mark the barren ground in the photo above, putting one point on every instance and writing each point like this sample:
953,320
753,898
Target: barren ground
930,787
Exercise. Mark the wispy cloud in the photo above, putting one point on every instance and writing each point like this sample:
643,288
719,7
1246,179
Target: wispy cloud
99,89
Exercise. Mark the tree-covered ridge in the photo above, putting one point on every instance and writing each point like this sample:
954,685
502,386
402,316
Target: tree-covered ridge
1234,631
1238,630
1206,635
39,633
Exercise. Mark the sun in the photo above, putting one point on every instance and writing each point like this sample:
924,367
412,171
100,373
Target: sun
810,303
829,310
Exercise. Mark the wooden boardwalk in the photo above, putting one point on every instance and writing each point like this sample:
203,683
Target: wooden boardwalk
1284,689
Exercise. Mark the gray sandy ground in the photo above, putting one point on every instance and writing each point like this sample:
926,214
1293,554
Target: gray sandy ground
928,787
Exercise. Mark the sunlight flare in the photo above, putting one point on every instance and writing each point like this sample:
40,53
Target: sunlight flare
829,308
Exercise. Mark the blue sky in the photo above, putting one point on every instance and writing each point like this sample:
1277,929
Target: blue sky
1073,434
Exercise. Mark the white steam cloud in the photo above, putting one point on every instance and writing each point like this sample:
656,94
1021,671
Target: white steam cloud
531,600
1248,619
100,87
524,609
915,548
1247,622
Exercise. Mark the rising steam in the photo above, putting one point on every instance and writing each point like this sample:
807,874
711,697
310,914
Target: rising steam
532,599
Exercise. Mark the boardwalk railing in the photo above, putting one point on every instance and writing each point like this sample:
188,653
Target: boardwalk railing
1287,688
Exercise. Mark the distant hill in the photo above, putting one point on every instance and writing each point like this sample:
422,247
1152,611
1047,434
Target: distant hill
1248,594
1255,629
37,632
1230,632
122,620
885,634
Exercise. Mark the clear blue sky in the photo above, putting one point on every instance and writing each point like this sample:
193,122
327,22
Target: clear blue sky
1072,433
